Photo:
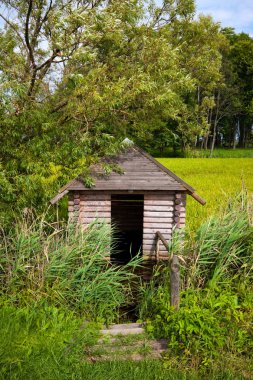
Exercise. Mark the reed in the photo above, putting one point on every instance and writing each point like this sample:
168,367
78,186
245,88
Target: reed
66,265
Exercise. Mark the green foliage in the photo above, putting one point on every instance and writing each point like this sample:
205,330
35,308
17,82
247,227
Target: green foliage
208,324
44,342
41,341
216,310
104,71
65,265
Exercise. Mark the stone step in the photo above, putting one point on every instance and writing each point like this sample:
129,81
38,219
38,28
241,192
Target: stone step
140,350
125,326
130,357
115,345
154,345
124,329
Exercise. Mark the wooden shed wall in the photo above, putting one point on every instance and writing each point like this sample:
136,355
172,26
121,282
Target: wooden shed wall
85,207
162,211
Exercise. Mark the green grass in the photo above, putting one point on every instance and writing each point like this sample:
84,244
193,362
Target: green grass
41,342
216,180
221,153
197,153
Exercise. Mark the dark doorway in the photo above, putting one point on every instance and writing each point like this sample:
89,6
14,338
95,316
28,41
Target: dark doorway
127,220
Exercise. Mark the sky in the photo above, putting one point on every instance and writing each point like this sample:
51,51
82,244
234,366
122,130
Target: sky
235,13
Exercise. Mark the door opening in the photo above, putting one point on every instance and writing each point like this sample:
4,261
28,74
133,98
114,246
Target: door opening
127,222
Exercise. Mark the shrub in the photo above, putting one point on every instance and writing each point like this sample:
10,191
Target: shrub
208,324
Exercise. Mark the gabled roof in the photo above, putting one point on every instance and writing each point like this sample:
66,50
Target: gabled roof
140,172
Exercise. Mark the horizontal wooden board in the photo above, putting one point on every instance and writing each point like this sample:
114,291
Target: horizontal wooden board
147,236
158,226
96,203
166,196
90,220
86,208
99,214
154,230
156,208
138,174
150,248
148,204
151,242
128,184
157,214
95,197
158,219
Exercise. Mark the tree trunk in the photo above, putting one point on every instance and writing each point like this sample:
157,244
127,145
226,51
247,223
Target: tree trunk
215,123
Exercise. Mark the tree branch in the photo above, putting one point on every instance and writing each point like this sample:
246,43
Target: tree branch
27,39
13,27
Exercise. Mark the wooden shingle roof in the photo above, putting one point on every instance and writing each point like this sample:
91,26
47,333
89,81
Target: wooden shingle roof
139,171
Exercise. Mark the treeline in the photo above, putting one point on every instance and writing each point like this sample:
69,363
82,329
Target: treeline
76,77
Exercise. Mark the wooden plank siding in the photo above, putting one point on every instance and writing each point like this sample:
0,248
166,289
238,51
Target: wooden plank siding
85,208
162,211
158,216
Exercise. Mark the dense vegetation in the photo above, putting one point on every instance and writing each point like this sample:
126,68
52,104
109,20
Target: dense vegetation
77,77
57,290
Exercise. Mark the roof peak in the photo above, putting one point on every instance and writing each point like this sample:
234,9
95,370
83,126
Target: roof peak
127,141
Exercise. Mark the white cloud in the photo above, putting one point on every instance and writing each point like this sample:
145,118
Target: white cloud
235,13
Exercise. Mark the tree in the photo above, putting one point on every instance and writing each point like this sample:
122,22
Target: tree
85,75
234,117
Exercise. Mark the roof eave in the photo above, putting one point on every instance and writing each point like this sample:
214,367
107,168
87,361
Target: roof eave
197,198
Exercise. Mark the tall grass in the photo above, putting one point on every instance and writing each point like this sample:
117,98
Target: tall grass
222,247
216,180
66,265
215,316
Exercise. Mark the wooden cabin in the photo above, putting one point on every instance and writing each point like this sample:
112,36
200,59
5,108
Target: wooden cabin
145,197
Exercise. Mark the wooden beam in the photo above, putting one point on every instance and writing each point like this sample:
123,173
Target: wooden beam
175,282
58,197
163,240
198,198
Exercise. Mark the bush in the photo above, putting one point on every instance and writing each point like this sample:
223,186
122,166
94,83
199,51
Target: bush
208,324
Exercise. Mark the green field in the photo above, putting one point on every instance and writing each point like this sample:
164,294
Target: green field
216,180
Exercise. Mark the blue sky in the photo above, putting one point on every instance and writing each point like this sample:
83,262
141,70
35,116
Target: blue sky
235,13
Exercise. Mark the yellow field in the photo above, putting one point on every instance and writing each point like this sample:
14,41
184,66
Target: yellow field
216,180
